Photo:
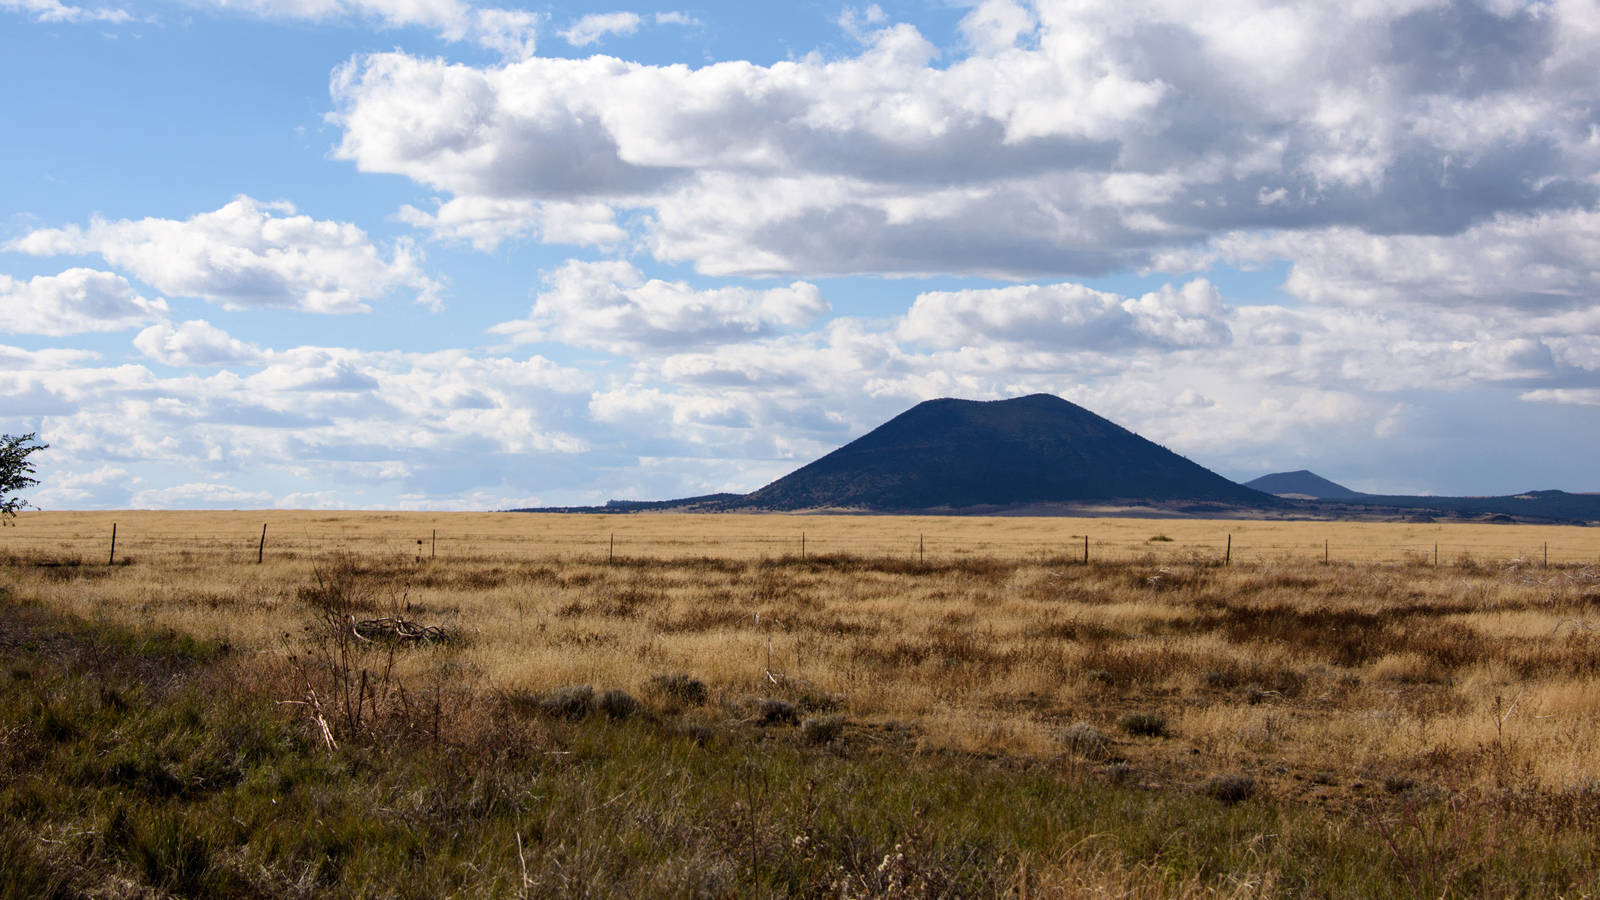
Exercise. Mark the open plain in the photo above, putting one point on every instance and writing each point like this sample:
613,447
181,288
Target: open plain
504,704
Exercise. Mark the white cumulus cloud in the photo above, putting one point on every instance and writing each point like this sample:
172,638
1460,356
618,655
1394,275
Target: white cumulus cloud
1068,317
194,343
73,302
247,254
1531,263
1073,139
349,425
613,306
995,25
486,222
595,26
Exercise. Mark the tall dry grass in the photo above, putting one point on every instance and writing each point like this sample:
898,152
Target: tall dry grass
1326,682
530,537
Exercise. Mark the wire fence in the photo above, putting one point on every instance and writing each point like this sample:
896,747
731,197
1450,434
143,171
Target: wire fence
132,544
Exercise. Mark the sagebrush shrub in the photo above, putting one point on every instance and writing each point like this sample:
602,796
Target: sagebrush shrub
1143,724
1229,789
822,729
680,688
1084,740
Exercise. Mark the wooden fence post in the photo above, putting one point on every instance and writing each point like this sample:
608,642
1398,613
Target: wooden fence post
802,545
611,554
1086,549
434,549
1324,552
920,556
261,548
112,559
1227,554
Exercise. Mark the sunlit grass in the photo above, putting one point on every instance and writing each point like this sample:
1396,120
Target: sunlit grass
1304,693
522,537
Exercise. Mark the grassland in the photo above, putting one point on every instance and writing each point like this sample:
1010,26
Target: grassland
703,712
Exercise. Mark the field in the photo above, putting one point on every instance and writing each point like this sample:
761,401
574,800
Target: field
706,706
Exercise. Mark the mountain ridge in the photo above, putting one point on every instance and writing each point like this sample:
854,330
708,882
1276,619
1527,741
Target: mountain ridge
954,454
1042,455
1303,483
948,455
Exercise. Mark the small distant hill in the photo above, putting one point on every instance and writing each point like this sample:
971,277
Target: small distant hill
959,454
1314,494
1530,506
1303,484
649,505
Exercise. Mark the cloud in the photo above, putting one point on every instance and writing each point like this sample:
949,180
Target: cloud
676,17
1564,396
510,32
56,11
513,33
595,26
74,488
63,384
486,222
1040,153
201,495
16,359
612,305
428,120
194,343
995,25
247,254
724,389
1068,316
73,302
1537,263
366,426
859,21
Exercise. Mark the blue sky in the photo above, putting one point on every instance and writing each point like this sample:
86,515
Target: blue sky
446,254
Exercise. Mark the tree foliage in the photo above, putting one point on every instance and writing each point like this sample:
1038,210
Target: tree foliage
16,471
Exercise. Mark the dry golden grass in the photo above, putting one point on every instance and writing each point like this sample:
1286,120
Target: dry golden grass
1380,672
541,537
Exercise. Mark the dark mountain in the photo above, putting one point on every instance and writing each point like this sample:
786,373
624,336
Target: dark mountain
1040,449
1303,484
1042,455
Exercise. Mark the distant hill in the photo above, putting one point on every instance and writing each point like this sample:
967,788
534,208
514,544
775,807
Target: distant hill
1317,495
1533,506
958,454
1303,484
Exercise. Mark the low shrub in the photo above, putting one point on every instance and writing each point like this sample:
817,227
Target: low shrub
1085,740
616,704
1229,789
1143,724
572,701
679,688
822,729
777,712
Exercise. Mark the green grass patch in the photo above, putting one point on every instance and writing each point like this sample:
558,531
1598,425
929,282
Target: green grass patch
185,780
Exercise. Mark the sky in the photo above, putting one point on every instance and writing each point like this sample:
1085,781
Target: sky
442,254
